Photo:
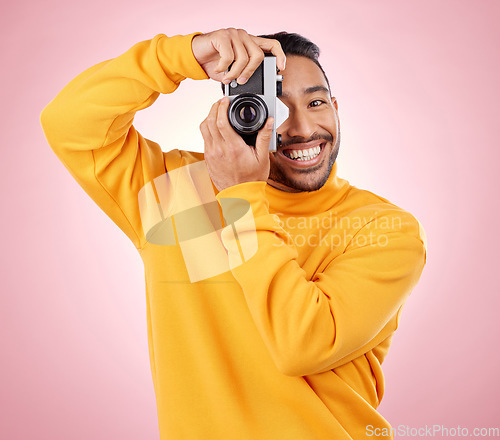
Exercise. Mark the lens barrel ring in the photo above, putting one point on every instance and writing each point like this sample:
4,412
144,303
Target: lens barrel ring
257,108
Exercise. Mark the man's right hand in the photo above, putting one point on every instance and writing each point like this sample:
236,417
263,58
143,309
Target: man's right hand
216,51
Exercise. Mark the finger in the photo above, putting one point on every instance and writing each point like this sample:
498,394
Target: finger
205,132
264,139
240,61
273,46
217,138
225,129
256,56
225,49
207,138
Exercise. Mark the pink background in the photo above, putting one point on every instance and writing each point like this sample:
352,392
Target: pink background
417,85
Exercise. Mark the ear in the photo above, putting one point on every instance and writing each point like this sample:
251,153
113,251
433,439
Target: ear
334,102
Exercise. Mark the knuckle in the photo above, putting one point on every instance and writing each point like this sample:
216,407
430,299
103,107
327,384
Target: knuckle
213,154
224,34
243,59
260,56
208,155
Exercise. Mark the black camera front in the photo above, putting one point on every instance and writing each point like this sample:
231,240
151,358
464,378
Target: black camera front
247,114
252,103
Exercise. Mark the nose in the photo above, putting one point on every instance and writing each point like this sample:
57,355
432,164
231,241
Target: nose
298,124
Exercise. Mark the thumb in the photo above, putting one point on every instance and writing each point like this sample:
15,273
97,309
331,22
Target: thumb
264,139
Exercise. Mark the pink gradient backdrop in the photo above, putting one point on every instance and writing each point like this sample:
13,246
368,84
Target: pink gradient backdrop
417,84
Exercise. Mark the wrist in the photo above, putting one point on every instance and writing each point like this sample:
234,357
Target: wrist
176,51
197,48
253,192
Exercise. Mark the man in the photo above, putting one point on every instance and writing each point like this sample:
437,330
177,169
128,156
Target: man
273,286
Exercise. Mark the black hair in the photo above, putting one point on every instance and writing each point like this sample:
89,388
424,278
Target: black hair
295,44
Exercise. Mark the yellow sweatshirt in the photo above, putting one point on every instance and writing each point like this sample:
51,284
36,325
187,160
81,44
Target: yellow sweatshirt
269,313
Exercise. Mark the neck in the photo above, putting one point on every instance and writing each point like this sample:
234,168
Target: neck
282,200
282,187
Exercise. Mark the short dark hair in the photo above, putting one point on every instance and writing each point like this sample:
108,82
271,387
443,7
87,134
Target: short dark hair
295,44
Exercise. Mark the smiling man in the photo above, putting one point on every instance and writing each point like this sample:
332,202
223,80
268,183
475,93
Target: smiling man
311,135
273,286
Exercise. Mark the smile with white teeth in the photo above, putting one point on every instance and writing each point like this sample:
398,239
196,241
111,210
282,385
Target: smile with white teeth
306,154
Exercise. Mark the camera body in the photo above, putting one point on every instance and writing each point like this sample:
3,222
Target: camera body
255,101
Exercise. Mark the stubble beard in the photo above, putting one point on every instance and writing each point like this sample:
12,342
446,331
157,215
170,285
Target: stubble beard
277,174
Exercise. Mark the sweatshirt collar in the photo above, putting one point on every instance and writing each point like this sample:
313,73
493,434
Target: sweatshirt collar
308,202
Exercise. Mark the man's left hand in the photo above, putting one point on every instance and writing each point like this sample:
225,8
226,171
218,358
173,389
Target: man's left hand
229,159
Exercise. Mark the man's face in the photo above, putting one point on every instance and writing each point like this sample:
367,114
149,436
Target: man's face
312,126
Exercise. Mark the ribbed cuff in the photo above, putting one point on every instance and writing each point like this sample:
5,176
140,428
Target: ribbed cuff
253,192
176,57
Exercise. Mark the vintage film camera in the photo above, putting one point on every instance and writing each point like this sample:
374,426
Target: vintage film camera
255,101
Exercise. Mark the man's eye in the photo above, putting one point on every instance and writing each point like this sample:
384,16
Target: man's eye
316,103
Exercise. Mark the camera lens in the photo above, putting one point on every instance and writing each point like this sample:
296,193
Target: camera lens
247,113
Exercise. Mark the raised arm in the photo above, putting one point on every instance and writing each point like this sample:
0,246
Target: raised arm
347,308
89,124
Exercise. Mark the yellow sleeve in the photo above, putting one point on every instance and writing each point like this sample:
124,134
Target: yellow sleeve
312,326
89,127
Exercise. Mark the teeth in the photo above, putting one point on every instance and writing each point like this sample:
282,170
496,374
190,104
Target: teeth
308,154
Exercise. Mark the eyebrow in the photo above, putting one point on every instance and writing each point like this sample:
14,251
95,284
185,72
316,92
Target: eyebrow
309,90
